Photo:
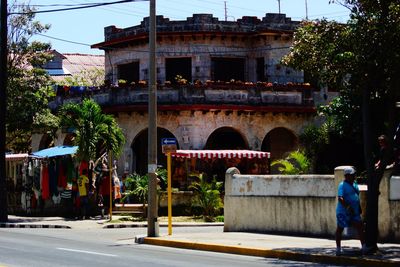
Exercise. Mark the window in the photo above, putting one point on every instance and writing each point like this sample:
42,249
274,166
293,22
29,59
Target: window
226,69
129,72
178,66
260,71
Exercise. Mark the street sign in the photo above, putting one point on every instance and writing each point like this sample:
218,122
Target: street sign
168,145
168,141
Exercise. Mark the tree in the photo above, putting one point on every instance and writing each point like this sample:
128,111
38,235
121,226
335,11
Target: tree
320,48
369,55
28,88
90,77
93,129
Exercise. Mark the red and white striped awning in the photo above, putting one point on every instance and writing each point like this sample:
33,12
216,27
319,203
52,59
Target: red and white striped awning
211,154
16,157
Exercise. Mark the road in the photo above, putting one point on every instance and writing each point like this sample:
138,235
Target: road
111,247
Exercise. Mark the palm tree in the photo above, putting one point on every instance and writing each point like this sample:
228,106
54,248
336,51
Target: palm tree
93,129
295,163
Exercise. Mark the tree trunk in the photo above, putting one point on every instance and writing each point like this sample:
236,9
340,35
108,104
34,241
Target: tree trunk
373,181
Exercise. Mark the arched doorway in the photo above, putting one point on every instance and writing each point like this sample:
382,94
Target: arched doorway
226,138
279,142
46,141
140,150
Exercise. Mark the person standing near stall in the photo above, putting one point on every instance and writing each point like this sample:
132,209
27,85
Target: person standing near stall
83,186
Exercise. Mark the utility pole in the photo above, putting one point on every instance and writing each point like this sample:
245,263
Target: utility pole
152,211
3,110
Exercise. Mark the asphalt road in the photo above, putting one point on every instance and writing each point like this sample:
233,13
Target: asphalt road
111,247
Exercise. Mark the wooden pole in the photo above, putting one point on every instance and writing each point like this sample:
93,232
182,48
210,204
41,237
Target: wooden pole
110,167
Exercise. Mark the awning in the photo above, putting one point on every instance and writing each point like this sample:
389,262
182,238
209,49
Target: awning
210,154
55,151
16,157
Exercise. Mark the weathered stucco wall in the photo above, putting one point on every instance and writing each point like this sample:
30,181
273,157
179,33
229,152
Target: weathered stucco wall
302,205
281,204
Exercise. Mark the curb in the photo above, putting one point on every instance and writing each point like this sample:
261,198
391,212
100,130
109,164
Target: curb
121,225
14,225
270,253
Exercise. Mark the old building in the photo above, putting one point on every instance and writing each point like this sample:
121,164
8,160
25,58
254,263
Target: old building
203,48
68,64
220,86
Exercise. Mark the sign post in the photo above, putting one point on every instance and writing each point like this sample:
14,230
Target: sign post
169,145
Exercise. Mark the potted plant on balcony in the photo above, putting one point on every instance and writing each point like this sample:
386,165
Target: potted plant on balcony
122,83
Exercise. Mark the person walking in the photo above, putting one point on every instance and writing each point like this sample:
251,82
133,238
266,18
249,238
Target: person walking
348,209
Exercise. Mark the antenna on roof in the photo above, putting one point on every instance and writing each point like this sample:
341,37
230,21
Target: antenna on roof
306,10
279,6
226,12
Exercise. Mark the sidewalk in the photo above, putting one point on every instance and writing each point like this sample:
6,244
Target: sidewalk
305,249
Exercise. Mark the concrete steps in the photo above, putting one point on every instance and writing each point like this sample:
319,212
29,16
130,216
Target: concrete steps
134,209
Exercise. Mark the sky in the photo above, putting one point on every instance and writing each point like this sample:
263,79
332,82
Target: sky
74,31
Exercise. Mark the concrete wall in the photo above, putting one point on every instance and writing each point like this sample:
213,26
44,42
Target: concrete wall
300,204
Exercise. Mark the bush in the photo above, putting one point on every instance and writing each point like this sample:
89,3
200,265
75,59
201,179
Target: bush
207,197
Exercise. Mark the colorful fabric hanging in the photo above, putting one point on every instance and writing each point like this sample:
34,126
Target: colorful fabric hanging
45,183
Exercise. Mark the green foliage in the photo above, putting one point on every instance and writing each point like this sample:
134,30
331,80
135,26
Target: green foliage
137,185
359,58
162,175
295,163
219,218
28,90
320,48
343,115
207,197
89,77
93,129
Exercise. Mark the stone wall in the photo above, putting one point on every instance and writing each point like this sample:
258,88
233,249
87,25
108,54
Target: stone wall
300,205
192,128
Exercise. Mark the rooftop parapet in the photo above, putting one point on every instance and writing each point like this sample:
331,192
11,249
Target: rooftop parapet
207,23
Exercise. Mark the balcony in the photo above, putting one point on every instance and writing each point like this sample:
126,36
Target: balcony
216,94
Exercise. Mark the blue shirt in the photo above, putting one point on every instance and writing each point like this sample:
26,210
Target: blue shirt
350,194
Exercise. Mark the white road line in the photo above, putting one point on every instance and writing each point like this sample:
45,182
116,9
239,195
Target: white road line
88,252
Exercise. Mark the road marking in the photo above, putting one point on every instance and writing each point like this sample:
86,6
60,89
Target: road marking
88,252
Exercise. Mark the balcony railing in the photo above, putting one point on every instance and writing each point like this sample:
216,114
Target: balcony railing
207,94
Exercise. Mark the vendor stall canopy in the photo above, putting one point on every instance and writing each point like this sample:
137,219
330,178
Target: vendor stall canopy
55,151
210,154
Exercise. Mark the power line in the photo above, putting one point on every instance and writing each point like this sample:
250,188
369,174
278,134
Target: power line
83,6
160,52
63,40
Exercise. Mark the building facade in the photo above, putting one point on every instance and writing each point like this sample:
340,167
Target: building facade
220,86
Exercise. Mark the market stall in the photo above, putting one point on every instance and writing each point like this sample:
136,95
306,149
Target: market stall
48,179
187,164
14,176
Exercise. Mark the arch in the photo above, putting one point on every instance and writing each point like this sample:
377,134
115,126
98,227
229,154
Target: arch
46,141
139,150
226,138
279,141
